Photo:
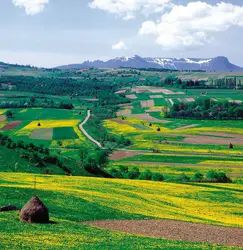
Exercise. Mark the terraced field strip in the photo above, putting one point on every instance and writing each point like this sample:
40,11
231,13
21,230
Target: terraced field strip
176,230
188,126
183,164
122,153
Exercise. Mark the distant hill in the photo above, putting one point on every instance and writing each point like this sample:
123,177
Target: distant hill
218,64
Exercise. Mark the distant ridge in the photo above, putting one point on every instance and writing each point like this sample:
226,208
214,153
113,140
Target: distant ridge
218,64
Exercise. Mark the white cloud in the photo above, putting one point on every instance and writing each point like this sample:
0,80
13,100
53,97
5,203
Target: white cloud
193,25
119,46
127,9
32,7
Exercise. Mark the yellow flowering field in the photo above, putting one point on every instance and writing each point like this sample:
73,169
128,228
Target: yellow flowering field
23,111
27,130
2,111
73,200
186,202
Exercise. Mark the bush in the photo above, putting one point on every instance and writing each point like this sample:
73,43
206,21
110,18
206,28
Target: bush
147,175
198,176
133,174
182,178
9,114
223,178
218,177
157,177
212,175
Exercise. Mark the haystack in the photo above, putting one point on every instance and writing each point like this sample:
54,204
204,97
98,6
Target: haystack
35,211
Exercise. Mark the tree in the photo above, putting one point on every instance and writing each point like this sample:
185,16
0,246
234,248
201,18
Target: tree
157,177
223,178
183,178
133,174
147,175
9,114
33,99
198,176
212,175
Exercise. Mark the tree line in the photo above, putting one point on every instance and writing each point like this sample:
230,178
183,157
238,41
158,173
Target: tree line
207,109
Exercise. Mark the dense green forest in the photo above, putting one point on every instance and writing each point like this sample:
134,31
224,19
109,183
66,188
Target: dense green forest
207,109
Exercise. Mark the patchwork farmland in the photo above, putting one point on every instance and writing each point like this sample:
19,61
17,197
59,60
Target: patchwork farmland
113,168
168,145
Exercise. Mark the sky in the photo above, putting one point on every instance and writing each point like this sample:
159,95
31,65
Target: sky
50,33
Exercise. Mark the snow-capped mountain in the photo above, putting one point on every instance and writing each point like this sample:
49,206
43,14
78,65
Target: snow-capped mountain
219,64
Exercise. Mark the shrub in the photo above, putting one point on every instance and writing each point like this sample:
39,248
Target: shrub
157,177
223,178
9,114
182,178
212,175
198,176
133,174
147,175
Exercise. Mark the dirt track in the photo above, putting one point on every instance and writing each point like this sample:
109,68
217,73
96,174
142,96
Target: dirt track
176,230
86,133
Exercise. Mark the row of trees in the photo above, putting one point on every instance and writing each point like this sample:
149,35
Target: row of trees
206,109
123,172
35,103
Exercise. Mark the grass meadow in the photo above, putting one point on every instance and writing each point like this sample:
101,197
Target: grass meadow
73,200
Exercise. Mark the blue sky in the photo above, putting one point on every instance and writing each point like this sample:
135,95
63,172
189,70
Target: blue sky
55,32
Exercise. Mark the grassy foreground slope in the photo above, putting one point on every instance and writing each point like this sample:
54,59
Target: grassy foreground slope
72,200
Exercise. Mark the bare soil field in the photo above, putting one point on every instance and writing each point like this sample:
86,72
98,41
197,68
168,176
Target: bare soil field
153,110
176,230
132,96
188,126
227,135
42,134
167,92
190,99
236,101
124,104
147,104
119,155
128,107
3,118
149,118
193,139
11,125
121,91
124,113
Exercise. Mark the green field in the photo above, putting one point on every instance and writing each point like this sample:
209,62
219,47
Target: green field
45,149
63,133
78,200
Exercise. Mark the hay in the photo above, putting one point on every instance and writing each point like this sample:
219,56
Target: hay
35,212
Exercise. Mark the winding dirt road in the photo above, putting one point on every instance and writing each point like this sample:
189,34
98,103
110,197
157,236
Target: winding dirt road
86,133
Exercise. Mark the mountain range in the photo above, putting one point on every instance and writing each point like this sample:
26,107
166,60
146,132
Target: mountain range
218,64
